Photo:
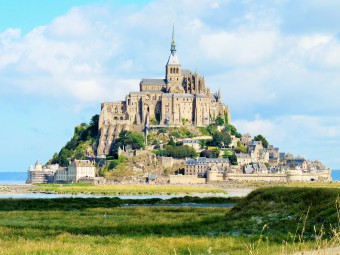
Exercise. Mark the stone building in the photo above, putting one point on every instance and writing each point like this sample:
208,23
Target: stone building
41,174
200,166
80,169
243,158
61,175
192,143
181,98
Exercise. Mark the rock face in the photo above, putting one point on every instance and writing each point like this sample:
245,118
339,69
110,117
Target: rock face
137,168
180,99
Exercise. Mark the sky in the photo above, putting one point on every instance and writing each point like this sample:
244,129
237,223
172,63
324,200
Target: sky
276,62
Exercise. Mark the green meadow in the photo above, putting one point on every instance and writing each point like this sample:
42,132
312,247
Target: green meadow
274,220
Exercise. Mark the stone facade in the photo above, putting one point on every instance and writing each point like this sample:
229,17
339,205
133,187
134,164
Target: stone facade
181,98
41,174
80,169
200,166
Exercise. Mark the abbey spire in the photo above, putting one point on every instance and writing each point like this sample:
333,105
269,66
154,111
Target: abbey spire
173,59
173,41
173,73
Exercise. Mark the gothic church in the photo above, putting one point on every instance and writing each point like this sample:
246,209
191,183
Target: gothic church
182,98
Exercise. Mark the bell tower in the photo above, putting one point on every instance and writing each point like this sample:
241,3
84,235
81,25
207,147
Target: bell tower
173,73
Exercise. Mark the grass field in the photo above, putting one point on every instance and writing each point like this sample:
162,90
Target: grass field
274,220
120,189
133,230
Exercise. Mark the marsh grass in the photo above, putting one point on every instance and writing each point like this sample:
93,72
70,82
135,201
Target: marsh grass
268,221
77,203
277,210
120,189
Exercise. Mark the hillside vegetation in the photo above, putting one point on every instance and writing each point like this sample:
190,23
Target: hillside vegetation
275,212
213,140
82,143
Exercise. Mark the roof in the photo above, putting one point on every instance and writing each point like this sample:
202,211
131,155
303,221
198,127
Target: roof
190,141
152,177
145,92
82,163
186,71
248,169
173,59
182,95
254,143
242,155
204,160
161,82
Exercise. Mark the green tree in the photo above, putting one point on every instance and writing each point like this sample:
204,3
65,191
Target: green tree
232,159
203,143
219,121
136,140
226,139
226,117
217,139
216,153
172,142
211,129
182,151
124,138
220,139
93,128
72,144
262,139
232,130
64,157
207,154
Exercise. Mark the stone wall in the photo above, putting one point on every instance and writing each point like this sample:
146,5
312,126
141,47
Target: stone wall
320,176
256,177
186,179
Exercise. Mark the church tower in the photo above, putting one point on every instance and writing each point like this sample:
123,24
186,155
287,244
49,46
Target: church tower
173,68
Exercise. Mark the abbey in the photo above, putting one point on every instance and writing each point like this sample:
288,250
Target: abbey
181,98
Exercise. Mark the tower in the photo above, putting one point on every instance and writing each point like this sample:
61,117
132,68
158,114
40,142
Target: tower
173,67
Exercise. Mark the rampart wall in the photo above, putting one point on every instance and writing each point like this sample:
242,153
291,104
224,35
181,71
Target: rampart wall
186,179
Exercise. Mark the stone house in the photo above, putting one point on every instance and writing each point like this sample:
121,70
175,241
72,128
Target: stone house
234,141
246,139
243,158
274,155
200,166
192,143
61,175
80,169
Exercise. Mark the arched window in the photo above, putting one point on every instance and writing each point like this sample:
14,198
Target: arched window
171,70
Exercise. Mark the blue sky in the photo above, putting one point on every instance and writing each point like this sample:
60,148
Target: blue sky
277,64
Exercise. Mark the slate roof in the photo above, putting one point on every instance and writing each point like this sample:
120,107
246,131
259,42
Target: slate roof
160,82
152,177
190,141
185,71
204,160
173,59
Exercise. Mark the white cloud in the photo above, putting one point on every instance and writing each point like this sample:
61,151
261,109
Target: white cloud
309,136
238,48
93,54
309,42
